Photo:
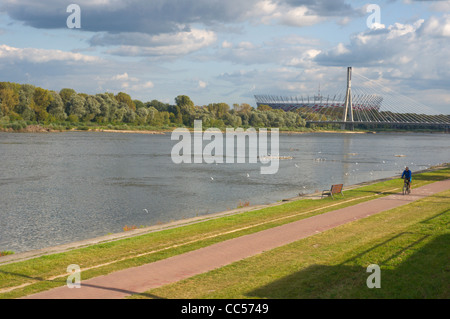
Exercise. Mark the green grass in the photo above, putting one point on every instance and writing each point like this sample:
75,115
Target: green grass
6,252
39,274
409,243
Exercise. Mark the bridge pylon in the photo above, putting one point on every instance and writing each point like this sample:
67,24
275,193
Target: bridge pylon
348,107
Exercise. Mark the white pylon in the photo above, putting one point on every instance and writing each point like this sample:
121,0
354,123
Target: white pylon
348,107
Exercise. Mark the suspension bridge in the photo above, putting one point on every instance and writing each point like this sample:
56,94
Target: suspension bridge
369,104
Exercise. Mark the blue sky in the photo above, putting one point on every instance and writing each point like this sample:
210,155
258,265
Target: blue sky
227,51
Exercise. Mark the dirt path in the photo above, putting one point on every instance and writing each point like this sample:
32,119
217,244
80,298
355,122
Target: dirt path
140,279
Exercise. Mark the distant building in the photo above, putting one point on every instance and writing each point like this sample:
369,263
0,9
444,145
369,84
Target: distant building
318,102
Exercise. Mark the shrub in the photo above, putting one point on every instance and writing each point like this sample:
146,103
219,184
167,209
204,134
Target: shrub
6,252
126,228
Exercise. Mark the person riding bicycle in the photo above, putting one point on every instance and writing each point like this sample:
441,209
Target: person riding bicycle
407,176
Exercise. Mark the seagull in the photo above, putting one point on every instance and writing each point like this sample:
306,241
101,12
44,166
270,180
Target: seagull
248,175
212,178
145,210
296,165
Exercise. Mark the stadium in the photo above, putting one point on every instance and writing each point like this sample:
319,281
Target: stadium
370,102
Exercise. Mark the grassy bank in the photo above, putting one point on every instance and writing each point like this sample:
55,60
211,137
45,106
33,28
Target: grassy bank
31,276
410,244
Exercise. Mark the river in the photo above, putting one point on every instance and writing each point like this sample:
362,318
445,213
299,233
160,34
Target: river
58,188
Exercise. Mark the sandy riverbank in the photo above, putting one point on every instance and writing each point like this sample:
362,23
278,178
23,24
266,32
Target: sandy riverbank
42,129
130,131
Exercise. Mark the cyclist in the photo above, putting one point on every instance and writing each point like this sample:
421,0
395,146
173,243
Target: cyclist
407,176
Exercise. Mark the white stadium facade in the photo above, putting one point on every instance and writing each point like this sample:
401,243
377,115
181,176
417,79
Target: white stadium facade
319,102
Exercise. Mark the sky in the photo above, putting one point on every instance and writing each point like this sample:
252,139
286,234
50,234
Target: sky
228,51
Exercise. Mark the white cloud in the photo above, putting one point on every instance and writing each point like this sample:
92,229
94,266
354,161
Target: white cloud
305,59
227,45
434,26
129,83
440,6
269,12
124,77
42,55
176,44
289,50
202,84
246,45
298,17
142,86
341,49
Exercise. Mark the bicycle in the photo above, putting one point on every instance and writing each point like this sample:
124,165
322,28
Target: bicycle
406,187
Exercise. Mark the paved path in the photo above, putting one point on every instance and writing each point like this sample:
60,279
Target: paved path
140,279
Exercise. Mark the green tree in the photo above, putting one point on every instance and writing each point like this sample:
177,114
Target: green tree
255,120
118,111
66,94
42,99
218,110
159,106
26,104
138,104
107,102
92,107
125,98
129,116
243,108
9,100
264,107
56,107
76,106
183,101
152,116
141,115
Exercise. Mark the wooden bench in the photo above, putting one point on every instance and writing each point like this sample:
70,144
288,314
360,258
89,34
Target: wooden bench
335,189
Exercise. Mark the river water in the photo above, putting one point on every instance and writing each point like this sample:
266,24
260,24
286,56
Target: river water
62,187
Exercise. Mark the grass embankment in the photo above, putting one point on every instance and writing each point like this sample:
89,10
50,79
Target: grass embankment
46,272
410,244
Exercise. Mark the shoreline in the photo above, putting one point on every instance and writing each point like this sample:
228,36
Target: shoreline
37,128
126,131
22,256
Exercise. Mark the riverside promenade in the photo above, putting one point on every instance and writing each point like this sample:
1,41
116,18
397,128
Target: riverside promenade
139,279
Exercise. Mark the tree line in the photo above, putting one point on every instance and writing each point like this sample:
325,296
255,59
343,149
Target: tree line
22,104
25,102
